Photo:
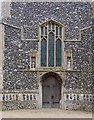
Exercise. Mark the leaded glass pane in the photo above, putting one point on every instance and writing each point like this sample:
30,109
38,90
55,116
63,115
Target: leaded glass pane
58,52
45,30
56,30
52,26
43,52
51,50
60,30
49,26
41,30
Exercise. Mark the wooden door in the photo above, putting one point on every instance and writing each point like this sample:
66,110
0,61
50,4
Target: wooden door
51,92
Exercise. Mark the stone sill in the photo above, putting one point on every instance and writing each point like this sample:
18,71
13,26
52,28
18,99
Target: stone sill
49,69
77,91
77,101
19,91
17,101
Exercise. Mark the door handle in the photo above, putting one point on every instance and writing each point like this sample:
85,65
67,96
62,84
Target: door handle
52,96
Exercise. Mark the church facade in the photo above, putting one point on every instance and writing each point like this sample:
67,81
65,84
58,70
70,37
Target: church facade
48,55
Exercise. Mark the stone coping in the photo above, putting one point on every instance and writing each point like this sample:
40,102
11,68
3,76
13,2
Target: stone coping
36,91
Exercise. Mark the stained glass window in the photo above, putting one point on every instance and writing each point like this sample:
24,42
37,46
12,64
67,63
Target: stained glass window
58,52
51,49
43,52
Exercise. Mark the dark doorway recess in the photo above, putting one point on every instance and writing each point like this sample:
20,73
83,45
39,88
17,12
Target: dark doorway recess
51,90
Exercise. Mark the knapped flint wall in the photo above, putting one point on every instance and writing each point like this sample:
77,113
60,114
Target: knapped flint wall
73,16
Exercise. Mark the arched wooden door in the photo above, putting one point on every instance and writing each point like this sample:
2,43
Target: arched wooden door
51,92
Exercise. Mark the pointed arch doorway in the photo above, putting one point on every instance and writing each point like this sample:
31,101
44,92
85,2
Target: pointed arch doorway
51,90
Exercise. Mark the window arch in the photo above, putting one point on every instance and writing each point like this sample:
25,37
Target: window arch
51,37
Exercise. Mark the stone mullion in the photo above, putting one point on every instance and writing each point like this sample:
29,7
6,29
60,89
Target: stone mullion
55,47
47,44
63,46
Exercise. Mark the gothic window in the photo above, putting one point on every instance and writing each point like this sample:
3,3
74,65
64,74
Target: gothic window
58,52
51,40
43,52
51,49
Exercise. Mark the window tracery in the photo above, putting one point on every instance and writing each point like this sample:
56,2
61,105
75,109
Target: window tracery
51,38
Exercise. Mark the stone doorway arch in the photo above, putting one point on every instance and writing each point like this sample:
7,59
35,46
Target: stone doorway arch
50,91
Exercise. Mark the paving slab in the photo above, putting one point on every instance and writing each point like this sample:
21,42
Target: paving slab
45,113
